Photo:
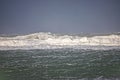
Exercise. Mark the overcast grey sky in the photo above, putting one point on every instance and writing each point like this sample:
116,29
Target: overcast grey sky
59,16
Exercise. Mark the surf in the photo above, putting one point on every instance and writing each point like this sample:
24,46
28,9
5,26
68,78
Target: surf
49,40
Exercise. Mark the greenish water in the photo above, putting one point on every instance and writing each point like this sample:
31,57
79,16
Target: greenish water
60,64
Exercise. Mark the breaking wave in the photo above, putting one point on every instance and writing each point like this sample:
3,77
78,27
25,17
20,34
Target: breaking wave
48,40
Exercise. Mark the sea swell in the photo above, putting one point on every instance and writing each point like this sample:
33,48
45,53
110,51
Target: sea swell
43,40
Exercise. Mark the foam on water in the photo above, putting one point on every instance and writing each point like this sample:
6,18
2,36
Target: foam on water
51,41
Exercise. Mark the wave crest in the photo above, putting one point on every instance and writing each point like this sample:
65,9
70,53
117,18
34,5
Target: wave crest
49,39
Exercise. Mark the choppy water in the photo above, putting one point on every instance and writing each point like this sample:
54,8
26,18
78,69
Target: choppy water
60,64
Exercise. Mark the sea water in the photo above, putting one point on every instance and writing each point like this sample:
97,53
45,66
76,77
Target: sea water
60,64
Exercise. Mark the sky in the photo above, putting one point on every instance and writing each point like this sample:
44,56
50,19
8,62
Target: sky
59,16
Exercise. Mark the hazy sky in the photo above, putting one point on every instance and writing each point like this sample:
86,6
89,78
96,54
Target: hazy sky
59,16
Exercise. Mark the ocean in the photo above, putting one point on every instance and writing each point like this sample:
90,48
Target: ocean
48,56
60,64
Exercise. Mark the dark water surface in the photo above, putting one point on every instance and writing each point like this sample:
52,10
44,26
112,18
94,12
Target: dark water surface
60,64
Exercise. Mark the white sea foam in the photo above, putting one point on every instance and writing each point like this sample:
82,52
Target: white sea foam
48,40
